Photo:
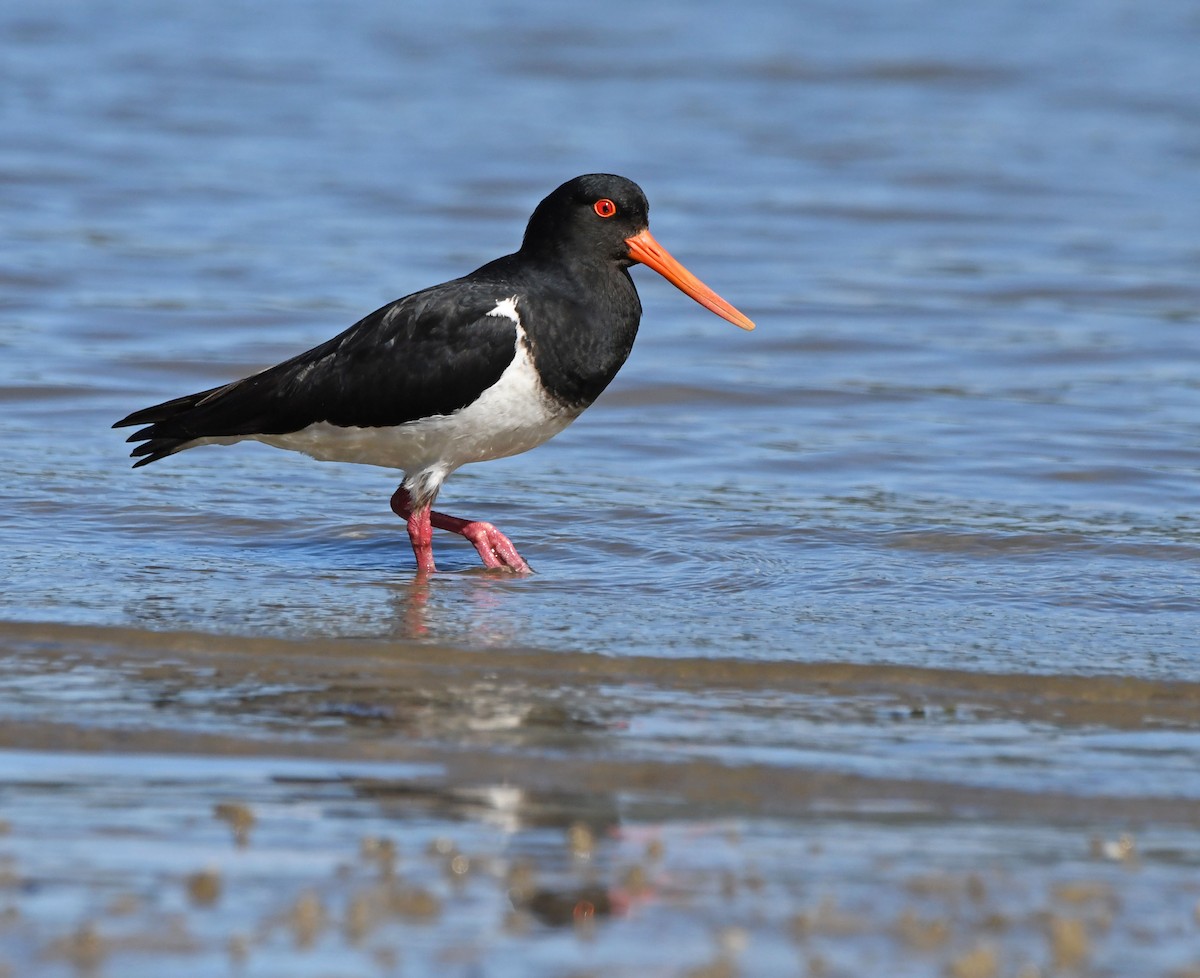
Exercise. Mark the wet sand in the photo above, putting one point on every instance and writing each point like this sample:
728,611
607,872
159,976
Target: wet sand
236,806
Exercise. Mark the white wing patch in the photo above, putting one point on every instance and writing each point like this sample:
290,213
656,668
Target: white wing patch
507,309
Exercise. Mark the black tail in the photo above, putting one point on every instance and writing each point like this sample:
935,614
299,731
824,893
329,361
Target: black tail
169,426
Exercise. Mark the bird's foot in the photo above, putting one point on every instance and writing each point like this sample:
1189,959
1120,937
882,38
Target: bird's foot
494,548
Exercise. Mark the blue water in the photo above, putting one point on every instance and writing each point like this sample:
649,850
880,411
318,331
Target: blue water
963,438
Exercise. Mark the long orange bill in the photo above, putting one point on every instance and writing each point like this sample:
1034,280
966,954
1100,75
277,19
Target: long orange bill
643,248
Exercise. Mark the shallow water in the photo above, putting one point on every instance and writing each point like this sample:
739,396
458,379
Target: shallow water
865,637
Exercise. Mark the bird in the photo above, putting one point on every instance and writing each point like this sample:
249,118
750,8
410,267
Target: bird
484,366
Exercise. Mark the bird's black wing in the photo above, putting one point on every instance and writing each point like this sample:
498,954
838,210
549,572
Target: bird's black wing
430,353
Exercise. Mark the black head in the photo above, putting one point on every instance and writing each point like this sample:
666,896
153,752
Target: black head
603,218
590,217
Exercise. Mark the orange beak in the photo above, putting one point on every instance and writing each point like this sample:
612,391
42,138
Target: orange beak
643,248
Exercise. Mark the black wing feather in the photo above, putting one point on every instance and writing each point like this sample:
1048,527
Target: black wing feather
430,353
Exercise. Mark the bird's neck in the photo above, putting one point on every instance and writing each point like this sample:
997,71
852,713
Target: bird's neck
582,332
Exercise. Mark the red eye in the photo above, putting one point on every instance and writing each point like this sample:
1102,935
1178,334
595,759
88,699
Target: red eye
604,207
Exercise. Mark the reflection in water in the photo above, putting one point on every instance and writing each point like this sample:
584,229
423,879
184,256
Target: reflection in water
462,607
580,817
411,601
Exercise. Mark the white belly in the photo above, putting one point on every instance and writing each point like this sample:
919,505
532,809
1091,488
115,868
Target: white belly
497,425
512,416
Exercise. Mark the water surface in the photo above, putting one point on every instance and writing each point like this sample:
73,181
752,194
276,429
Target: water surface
865,638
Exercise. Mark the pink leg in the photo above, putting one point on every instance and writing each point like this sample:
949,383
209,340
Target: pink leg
495,549
420,532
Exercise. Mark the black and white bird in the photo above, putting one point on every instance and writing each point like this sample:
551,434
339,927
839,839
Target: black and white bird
482,367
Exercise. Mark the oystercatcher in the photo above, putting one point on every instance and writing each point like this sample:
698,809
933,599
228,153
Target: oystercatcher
482,367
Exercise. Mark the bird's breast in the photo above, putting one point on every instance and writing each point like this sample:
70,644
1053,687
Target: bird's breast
580,340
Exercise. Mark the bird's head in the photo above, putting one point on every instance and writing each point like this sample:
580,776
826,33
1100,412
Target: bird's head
601,216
